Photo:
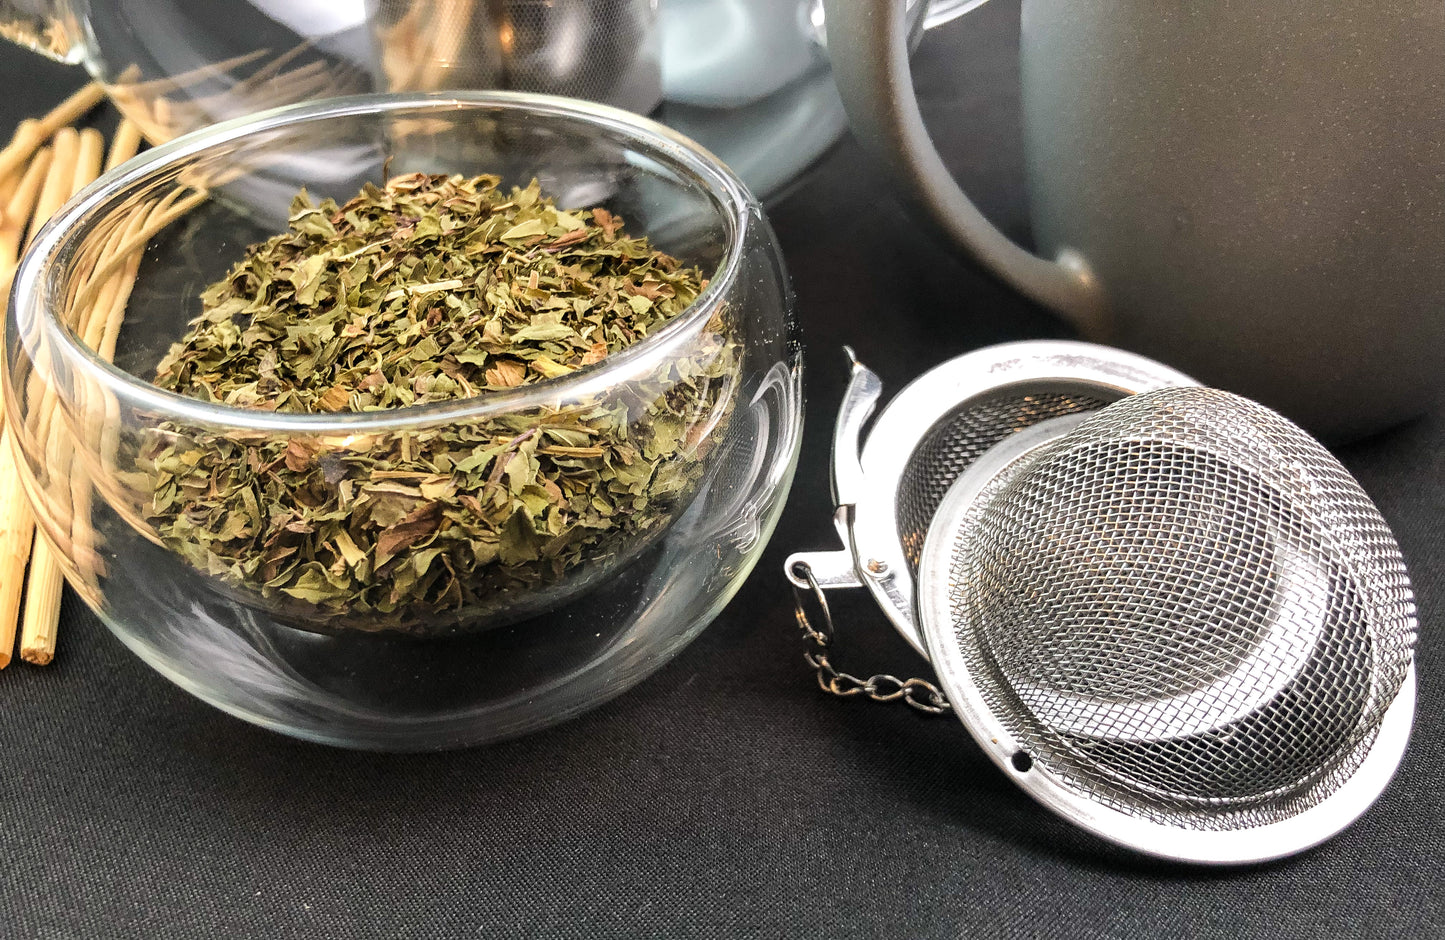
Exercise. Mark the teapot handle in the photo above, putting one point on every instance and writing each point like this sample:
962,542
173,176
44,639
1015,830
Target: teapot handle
867,42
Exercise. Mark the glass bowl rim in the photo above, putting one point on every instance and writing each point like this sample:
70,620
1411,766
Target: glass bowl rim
716,180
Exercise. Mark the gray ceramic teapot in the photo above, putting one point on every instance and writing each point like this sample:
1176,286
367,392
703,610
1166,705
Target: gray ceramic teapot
1252,191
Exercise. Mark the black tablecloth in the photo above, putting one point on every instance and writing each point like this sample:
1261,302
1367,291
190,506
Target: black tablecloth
724,796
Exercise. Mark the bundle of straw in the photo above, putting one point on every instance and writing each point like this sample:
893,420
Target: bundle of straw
46,162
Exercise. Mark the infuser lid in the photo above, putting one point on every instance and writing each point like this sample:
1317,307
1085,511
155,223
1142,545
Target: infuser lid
1176,621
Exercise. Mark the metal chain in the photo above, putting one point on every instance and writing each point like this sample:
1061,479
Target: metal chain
918,693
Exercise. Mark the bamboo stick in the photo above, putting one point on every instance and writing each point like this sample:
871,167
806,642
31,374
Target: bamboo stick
65,150
109,265
101,326
203,73
17,210
58,182
90,154
160,217
17,524
17,527
27,135
42,605
14,156
124,145
12,228
45,583
94,317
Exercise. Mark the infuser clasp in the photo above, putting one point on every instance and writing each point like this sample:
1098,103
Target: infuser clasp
838,569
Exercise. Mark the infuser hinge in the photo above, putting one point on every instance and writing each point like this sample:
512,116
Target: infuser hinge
812,573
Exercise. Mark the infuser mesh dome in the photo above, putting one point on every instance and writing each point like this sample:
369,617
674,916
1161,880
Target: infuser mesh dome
1184,609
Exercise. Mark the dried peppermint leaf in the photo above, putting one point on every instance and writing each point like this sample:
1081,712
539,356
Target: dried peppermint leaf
434,288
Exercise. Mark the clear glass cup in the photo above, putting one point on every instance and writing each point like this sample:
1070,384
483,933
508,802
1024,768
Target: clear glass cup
98,444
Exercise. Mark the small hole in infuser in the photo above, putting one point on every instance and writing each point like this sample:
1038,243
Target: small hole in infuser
1022,761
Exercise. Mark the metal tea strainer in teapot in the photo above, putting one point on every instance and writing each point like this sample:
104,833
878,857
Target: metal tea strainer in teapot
1168,613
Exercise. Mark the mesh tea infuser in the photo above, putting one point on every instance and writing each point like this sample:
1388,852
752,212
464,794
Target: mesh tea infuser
1167,612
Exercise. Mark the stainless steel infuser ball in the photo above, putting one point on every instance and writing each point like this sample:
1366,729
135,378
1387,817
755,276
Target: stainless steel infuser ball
1166,611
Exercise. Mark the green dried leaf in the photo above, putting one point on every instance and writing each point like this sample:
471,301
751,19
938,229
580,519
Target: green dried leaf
524,230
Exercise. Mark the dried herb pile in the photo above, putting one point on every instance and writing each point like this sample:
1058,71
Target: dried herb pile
429,289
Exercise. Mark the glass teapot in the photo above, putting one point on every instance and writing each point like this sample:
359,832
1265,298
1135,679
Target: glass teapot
749,79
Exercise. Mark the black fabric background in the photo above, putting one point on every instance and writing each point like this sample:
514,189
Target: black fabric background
725,796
